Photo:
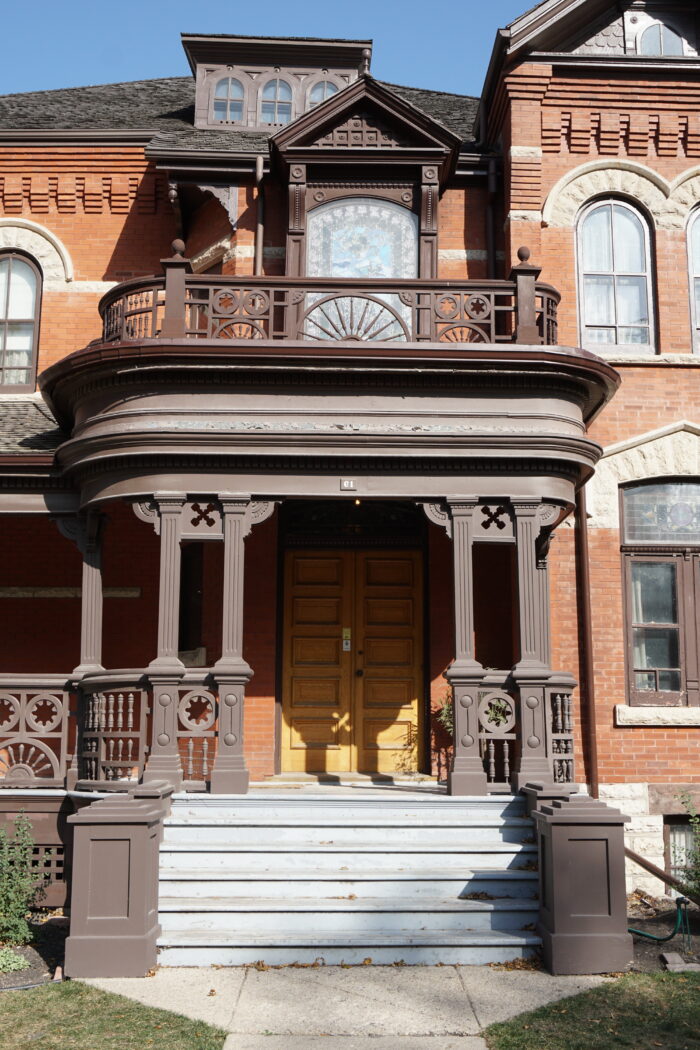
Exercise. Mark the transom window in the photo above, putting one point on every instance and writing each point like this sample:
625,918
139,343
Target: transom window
228,100
321,91
614,277
662,521
658,39
694,253
20,286
276,103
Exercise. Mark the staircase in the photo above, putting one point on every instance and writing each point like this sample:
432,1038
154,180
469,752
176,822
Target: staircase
397,877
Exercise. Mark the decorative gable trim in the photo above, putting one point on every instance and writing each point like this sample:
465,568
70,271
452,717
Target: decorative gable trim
367,117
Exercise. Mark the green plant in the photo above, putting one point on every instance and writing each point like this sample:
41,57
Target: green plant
11,962
689,862
19,888
445,715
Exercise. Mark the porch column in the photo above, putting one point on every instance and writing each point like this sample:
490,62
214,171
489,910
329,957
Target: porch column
465,674
532,671
229,774
91,595
165,672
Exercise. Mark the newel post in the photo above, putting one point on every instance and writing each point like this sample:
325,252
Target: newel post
525,276
165,672
176,269
465,674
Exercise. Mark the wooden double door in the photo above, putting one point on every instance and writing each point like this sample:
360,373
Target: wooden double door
353,661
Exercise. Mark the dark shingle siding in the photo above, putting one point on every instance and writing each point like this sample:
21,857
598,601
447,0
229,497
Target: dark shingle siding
166,107
27,426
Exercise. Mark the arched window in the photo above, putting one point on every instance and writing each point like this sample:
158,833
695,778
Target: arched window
658,39
20,293
694,256
276,104
228,100
321,91
615,293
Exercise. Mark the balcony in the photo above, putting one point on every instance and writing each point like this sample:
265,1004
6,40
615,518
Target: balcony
217,308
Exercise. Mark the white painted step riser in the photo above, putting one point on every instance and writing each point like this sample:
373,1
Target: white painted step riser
332,924
338,814
408,955
340,862
315,889
459,837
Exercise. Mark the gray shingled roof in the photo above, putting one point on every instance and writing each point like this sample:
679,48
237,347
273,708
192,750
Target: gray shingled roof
27,426
166,107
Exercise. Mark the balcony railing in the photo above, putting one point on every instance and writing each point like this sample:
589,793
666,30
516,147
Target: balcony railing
182,305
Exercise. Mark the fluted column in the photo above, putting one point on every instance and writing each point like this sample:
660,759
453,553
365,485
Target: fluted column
231,672
90,544
165,672
465,674
532,671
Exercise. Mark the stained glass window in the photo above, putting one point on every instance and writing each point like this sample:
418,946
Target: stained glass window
663,513
362,237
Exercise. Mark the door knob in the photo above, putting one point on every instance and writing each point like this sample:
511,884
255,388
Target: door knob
359,673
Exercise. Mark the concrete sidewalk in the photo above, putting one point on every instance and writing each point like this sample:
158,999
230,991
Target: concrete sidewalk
358,1008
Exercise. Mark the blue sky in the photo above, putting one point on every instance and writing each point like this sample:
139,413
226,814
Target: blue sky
69,43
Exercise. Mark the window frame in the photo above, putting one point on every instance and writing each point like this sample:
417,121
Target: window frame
286,102
693,223
314,82
30,385
608,349
213,100
662,25
686,559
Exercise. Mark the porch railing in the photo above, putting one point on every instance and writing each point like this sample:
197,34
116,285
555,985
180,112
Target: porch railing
241,310
113,720
34,730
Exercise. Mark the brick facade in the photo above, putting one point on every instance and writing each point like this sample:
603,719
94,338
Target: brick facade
561,137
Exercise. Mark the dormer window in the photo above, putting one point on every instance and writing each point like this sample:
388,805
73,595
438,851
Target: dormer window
276,104
658,39
228,101
321,91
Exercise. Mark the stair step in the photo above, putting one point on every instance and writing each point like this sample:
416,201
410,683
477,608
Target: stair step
326,916
236,883
333,835
425,948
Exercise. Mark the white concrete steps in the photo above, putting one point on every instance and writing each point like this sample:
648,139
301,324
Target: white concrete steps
414,878
202,882
296,915
438,947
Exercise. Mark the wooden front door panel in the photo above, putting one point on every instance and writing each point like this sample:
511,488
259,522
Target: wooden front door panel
356,708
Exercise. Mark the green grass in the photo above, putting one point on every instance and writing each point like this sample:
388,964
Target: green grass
637,1012
73,1016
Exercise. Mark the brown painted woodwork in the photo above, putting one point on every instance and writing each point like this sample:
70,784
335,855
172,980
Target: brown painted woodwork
244,309
356,710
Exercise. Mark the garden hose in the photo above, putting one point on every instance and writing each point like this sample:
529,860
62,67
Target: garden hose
681,924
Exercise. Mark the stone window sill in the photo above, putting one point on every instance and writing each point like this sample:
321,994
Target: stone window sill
656,716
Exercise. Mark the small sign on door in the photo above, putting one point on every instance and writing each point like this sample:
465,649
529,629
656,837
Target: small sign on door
347,644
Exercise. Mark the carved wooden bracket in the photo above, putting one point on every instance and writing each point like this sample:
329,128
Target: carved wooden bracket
202,519
439,515
84,530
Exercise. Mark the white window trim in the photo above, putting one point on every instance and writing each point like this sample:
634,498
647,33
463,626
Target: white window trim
693,220
664,25
610,349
